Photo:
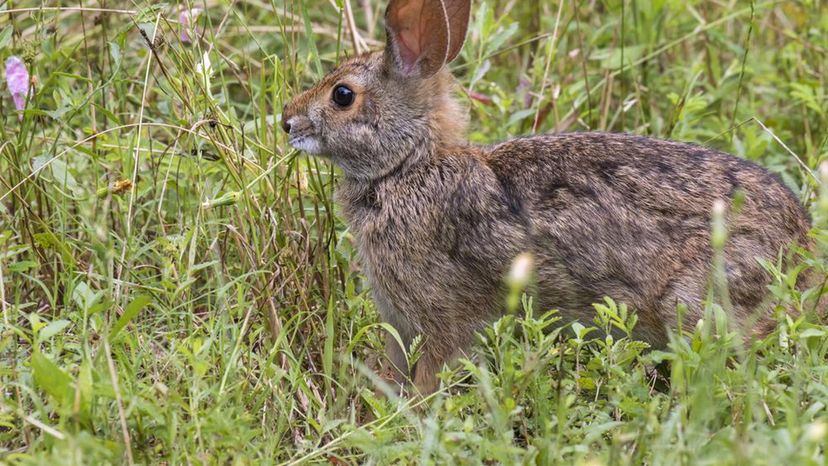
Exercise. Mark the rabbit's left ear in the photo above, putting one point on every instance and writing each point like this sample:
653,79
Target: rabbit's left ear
457,12
423,35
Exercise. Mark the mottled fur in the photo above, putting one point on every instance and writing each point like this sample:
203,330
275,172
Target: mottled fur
438,221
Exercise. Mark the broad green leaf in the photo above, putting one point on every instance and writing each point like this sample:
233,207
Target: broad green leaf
85,384
84,296
5,36
115,53
51,378
23,266
130,312
52,329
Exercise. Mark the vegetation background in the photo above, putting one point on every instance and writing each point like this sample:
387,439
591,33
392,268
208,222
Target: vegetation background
176,285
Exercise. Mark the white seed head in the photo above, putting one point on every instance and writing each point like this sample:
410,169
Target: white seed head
719,207
816,431
521,270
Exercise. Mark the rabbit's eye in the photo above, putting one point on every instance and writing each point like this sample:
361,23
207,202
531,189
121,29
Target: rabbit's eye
343,96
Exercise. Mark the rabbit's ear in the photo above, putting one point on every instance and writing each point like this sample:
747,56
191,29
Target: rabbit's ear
418,36
457,12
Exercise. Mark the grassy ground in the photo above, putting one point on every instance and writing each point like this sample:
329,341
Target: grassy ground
176,285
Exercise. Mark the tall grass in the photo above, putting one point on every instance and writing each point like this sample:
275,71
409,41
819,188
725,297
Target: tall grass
176,285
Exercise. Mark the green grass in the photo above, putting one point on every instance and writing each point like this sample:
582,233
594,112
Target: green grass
176,285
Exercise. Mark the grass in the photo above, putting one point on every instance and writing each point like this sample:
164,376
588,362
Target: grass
176,285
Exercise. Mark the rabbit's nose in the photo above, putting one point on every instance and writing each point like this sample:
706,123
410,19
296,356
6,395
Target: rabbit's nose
286,117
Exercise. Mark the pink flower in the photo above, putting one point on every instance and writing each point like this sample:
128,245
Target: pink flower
17,78
186,18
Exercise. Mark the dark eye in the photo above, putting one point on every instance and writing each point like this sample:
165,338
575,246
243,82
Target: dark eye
343,96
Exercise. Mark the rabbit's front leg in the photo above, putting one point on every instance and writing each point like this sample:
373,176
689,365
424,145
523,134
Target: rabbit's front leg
395,368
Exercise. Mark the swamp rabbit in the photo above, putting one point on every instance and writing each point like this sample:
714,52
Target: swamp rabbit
438,221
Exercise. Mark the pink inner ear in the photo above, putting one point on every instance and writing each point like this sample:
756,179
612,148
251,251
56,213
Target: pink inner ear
420,35
409,36
409,49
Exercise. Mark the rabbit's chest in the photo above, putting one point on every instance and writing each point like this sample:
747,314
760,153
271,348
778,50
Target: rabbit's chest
401,247
416,257
393,224
389,237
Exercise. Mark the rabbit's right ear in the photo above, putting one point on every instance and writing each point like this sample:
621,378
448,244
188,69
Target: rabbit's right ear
424,34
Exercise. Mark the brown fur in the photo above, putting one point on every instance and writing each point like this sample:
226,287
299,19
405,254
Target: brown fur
438,222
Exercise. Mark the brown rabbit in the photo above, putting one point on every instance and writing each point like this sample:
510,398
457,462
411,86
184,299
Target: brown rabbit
438,221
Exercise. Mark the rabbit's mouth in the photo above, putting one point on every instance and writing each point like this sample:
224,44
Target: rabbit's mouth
308,144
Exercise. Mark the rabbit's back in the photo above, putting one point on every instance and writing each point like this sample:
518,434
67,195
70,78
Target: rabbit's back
630,217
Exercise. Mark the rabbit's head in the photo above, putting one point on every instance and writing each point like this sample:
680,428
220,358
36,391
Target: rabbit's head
382,110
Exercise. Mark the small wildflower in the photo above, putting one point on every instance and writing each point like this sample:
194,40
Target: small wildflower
205,69
205,66
187,18
121,186
17,78
118,187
